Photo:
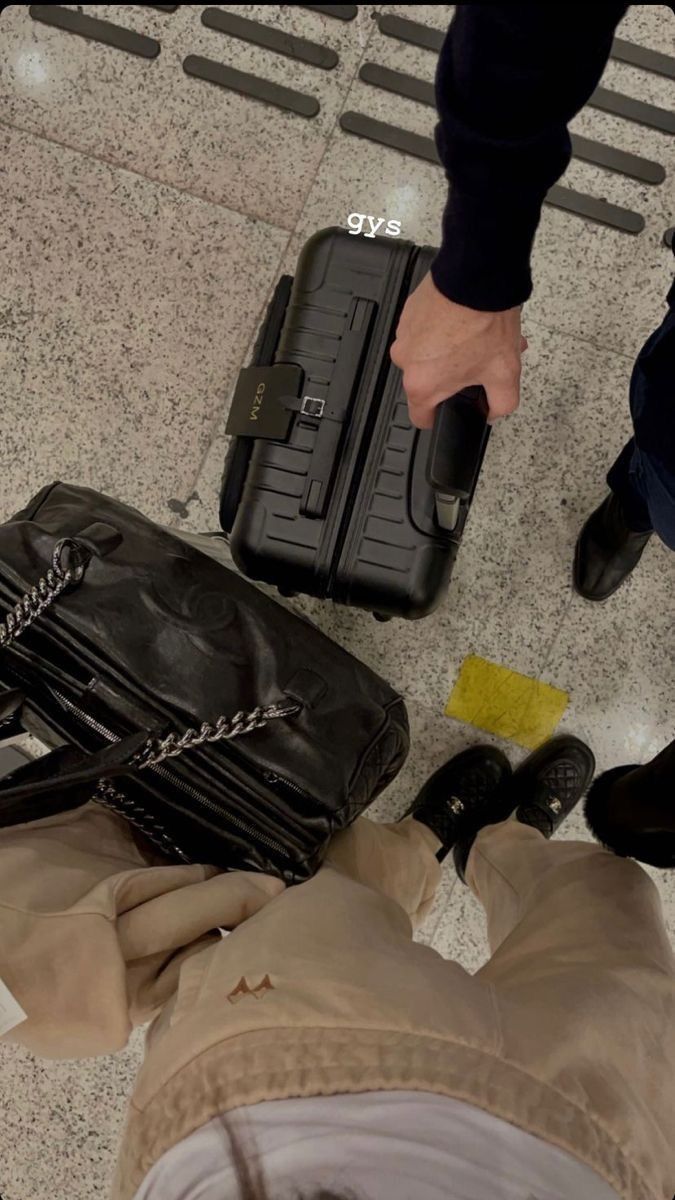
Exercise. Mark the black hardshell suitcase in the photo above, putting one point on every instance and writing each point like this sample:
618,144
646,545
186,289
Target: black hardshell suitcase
355,504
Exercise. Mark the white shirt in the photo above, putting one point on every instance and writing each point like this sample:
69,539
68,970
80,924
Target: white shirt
376,1145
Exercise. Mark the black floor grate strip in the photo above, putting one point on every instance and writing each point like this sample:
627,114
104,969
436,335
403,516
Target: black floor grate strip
389,135
251,85
560,197
96,30
633,110
410,31
271,39
342,12
399,83
639,56
632,165
600,211
621,161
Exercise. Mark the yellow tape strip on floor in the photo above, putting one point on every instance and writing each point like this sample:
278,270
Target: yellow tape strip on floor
506,703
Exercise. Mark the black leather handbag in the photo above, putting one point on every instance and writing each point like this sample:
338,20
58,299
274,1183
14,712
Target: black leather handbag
225,728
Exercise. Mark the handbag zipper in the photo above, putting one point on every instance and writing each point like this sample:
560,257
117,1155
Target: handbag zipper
287,784
188,790
86,719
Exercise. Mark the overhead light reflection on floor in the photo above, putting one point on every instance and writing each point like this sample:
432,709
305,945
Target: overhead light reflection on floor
30,67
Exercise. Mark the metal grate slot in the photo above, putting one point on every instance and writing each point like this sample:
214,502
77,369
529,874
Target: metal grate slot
399,83
632,165
95,30
410,31
600,211
639,56
633,110
271,39
559,197
251,85
342,12
587,149
389,135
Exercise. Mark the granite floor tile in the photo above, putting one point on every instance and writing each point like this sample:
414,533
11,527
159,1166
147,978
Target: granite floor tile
665,881
153,118
599,284
125,309
647,24
62,1122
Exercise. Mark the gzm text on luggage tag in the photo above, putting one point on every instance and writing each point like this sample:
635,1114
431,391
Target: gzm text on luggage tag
371,226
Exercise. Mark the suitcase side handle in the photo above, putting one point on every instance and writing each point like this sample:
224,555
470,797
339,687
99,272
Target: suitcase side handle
458,442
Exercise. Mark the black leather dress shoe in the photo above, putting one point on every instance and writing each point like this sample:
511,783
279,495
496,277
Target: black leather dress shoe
463,795
551,782
607,551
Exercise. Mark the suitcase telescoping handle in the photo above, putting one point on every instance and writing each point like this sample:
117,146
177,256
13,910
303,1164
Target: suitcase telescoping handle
458,444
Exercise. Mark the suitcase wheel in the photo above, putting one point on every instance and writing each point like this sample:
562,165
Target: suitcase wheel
382,617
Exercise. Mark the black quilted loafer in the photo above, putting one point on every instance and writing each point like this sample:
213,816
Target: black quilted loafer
551,782
461,796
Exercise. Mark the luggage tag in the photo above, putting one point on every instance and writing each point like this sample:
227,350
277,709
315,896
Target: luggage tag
260,405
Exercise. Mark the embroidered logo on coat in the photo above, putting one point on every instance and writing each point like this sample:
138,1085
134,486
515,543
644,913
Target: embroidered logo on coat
242,989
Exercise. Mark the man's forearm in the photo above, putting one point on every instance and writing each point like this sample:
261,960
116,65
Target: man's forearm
510,77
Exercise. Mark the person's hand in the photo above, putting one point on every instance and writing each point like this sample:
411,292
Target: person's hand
442,347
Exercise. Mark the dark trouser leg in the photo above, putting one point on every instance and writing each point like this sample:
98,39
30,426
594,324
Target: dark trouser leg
643,476
623,481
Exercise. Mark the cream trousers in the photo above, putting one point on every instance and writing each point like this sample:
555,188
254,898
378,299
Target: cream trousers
568,1031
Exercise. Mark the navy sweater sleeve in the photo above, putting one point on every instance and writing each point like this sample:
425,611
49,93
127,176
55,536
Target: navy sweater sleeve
510,77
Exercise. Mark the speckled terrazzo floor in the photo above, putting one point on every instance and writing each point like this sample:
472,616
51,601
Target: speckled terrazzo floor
145,218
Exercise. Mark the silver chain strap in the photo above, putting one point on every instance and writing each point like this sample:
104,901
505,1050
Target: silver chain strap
44,592
157,750
116,802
